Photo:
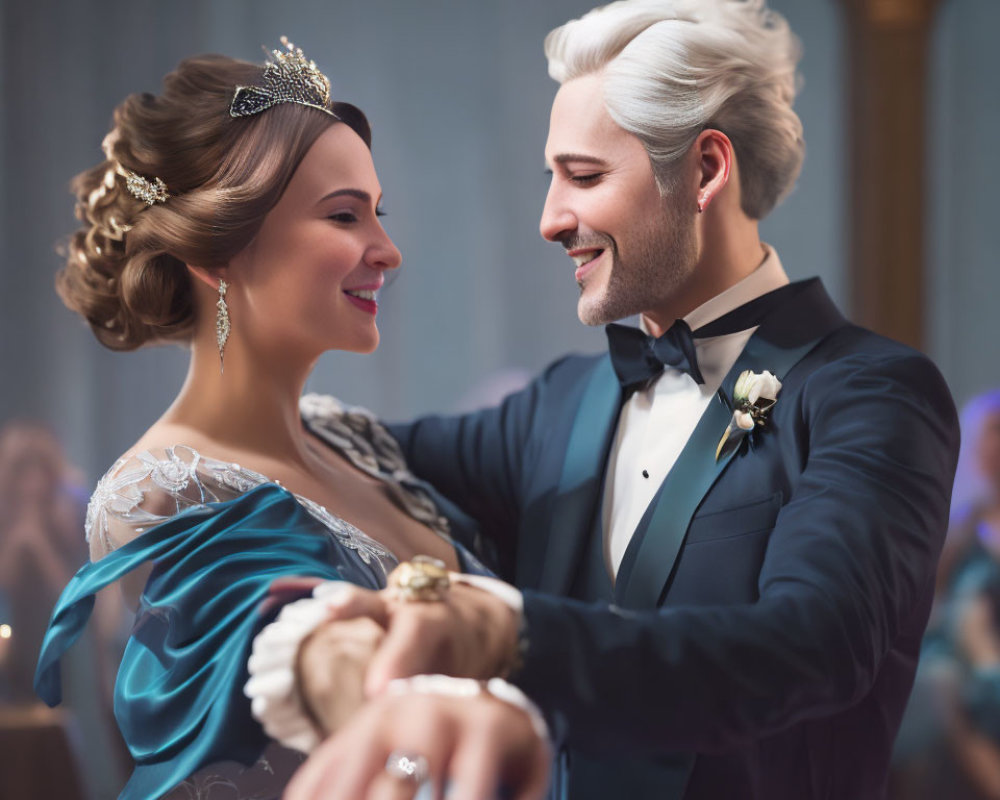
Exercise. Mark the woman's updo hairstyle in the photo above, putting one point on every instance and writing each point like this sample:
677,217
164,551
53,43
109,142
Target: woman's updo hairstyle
125,271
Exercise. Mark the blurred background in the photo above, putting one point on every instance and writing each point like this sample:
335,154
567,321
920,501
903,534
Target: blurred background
894,210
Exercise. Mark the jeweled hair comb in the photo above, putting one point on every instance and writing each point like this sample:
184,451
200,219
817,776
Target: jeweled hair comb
149,191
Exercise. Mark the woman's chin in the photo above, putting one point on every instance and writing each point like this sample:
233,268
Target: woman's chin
363,344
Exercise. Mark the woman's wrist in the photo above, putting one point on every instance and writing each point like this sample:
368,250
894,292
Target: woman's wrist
497,688
274,688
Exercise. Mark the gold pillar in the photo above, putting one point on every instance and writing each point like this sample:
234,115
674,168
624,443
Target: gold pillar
887,49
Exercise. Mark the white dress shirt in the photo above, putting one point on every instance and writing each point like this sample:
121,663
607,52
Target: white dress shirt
656,422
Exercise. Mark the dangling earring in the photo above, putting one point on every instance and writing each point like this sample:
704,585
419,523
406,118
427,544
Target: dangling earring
222,326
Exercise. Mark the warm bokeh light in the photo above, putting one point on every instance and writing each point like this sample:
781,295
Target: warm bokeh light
5,631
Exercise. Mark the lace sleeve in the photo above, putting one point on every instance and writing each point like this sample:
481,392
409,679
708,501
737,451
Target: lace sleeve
144,489
356,432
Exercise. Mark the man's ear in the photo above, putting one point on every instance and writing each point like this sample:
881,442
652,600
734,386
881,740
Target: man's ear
209,276
715,161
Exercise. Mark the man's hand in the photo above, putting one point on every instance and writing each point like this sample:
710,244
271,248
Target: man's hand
372,638
469,634
473,744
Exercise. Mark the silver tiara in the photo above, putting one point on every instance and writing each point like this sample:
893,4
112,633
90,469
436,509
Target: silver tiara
289,78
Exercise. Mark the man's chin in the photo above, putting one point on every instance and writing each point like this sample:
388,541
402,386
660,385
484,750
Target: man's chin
598,312
589,316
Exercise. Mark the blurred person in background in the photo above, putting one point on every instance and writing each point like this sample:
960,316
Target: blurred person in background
42,504
41,514
969,601
975,502
949,740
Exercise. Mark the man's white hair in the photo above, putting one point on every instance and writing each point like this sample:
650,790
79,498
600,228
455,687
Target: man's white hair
672,68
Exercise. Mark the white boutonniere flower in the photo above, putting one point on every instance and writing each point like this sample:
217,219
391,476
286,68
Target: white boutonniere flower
753,396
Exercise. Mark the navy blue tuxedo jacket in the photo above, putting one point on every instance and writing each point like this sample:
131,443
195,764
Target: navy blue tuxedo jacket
768,612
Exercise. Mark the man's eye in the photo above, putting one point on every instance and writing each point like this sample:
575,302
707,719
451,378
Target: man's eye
344,216
585,179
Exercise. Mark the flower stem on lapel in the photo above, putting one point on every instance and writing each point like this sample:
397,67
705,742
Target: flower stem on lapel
754,395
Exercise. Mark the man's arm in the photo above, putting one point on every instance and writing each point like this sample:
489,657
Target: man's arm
848,571
849,568
478,460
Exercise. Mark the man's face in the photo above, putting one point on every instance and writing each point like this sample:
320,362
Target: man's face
632,247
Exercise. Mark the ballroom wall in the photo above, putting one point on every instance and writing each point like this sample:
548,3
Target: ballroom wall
963,234
458,97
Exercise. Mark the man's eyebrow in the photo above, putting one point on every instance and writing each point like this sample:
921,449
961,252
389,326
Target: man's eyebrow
563,158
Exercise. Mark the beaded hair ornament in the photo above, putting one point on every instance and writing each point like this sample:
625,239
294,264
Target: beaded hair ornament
289,78
149,191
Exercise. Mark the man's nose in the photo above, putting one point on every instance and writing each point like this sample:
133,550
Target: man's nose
557,219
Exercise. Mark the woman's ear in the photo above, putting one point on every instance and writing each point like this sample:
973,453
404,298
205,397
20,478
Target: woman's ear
210,277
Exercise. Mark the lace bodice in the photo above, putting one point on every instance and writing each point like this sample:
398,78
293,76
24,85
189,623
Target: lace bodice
145,488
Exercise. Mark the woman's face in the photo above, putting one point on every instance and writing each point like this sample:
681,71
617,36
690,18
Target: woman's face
307,281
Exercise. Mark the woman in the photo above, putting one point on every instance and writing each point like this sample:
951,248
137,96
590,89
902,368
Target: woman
236,212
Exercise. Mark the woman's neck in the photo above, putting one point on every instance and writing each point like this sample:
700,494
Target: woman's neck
251,406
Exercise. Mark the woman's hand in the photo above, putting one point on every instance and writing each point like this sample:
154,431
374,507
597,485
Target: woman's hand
474,745
307,671
331,667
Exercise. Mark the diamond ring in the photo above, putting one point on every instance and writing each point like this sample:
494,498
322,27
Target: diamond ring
407,766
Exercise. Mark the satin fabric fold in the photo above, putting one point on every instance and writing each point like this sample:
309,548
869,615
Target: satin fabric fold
179,694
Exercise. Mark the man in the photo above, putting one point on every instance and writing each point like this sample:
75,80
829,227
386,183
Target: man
723,596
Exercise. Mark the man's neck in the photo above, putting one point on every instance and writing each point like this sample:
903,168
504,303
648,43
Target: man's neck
728,253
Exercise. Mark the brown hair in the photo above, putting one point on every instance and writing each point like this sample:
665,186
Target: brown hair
125,271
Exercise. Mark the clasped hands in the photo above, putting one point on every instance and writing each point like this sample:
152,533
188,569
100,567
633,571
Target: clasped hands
472,744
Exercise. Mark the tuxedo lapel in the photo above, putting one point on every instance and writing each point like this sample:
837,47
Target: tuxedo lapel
578,495
780,342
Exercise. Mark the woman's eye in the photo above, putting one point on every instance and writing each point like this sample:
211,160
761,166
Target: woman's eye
585,179
379,211
344,216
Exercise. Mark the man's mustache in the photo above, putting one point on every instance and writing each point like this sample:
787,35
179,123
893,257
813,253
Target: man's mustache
575,242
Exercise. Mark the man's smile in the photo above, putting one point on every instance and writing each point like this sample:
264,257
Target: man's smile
585,259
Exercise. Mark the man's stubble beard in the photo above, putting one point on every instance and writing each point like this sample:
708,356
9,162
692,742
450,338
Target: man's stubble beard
661,257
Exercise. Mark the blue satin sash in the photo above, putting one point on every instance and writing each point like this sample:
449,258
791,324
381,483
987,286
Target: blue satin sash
179,694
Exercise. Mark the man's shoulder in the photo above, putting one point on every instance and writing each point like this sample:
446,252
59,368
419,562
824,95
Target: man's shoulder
839,339
854,361
570,370
851,346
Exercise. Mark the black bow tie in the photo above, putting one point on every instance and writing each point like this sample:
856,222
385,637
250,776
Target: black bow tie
638,357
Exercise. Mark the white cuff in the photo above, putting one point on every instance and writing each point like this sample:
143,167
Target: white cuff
275,700
496,587
469,687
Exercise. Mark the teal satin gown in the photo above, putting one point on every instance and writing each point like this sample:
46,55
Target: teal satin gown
179,698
